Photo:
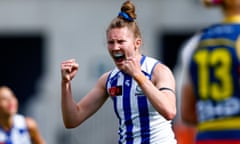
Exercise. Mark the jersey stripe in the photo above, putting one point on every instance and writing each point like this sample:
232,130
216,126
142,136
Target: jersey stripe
219,135
144,119
220,124
127,107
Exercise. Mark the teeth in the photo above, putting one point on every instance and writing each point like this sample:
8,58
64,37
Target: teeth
118,54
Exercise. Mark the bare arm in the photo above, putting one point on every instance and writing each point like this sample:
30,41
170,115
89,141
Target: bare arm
164,101
188,105
35,135
75,113
187,99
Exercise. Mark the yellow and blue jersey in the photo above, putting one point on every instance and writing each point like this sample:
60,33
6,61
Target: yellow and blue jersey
215,70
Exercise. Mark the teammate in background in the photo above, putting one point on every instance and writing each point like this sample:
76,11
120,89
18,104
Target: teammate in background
141,88
211,89
15,128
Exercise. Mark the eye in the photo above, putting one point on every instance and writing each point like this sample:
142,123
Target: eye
121,41
110,42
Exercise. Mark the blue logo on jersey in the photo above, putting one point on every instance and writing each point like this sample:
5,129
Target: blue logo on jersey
139,91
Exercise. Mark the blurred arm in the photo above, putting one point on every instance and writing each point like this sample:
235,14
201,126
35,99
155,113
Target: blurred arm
35,135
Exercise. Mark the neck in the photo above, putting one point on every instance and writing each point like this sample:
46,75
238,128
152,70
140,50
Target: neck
232,14
139,56
6,123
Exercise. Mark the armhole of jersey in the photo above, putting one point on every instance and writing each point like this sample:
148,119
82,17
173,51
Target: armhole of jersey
106,83
187,53
157,62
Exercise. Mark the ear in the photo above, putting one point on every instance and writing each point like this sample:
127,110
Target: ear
138,42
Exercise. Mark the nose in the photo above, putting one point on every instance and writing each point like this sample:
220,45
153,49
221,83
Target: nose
114,46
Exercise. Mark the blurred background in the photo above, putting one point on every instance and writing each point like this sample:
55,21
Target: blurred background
37,35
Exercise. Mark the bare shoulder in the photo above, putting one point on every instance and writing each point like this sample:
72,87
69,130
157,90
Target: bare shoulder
163,76
100,86
31,123
103,78
105,75
162,70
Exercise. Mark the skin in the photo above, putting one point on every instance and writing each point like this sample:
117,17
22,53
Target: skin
188,105
120,41
231,8
188,101
8,108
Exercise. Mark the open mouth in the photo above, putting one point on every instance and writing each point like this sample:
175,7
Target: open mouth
118,57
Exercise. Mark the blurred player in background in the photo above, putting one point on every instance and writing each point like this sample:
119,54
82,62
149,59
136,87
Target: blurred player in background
211,93
15,128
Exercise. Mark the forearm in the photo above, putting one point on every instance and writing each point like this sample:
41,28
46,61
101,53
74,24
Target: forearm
38,140
69,107
162,101
188,105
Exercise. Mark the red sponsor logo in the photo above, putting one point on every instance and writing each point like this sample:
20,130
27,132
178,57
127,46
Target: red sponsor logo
115,91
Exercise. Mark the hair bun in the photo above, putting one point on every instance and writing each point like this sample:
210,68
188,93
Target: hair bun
128,11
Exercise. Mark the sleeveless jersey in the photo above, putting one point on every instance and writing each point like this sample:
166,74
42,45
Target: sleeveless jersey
139,122
215,69
18,134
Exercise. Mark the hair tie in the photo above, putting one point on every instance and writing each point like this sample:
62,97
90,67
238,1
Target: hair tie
125,16
216,2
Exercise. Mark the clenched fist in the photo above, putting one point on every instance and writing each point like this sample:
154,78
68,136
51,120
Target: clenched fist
69,69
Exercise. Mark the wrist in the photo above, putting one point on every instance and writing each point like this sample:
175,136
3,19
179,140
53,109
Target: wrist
66,79
140,78
66,85
65,82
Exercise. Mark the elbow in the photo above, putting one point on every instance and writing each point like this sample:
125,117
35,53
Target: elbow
70,124
170,115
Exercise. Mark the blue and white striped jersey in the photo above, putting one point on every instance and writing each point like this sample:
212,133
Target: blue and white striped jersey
139,122
18,134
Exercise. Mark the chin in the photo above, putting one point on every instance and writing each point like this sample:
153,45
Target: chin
12,112
119,66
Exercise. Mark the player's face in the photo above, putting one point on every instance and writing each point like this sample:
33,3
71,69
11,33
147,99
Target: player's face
121,45
232,3
8,102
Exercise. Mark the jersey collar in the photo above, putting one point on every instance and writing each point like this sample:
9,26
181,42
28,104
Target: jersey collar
232,19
